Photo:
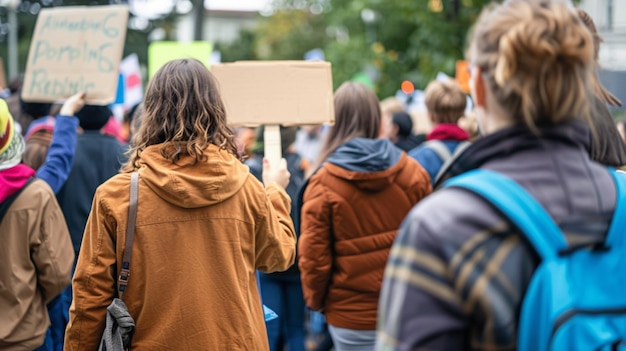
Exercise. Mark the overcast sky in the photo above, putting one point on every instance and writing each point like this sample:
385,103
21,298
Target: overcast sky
156,8
237,5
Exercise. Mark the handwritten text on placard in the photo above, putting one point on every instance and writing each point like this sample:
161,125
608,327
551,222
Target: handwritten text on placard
76,49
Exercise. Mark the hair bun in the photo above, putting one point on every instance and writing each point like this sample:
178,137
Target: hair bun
541,40
537,59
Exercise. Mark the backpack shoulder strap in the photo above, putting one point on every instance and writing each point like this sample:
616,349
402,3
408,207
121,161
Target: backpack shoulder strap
122,281
440,149
4,206
617,235
518,206
460,148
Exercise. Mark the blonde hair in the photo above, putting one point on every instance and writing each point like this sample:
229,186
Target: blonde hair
184,112
469,124
537,59
446,101
391,105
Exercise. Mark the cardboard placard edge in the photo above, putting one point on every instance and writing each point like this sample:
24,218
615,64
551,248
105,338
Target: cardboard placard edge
235,122
71,9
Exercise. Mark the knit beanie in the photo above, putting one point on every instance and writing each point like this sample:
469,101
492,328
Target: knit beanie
11,142
93,117
45,123
7,127
38,139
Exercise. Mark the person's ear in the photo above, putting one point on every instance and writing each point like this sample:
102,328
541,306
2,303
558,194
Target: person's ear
478,88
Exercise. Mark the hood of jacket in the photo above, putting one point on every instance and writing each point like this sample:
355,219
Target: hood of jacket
13,179
370,164
188,185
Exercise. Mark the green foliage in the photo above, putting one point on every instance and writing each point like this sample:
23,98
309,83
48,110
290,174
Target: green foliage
289,34
391,41
243,49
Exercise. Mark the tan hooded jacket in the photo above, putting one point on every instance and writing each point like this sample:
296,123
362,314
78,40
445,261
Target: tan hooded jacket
37,258
202,231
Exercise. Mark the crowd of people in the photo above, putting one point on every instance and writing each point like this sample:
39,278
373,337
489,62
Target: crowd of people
175,231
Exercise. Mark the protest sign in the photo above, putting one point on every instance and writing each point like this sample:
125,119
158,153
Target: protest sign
76,49
274,93
161,52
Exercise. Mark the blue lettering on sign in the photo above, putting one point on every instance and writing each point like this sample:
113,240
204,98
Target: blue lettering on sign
83,25
71,54
42,85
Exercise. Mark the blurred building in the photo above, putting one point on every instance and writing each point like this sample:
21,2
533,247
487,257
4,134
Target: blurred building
611,23
220,25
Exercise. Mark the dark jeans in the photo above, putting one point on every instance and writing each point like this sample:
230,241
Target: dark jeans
58,311
283,294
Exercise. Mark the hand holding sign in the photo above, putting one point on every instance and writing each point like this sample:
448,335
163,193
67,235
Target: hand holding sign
276,172
73,104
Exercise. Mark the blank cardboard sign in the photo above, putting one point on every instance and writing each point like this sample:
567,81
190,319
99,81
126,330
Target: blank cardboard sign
276,92
76,49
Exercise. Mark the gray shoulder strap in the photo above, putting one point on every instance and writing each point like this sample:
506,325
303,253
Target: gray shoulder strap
440,149
459,150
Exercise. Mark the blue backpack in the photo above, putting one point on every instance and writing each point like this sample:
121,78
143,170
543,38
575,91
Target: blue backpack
576,299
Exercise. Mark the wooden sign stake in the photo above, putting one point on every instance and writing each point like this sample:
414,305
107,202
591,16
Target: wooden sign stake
272,144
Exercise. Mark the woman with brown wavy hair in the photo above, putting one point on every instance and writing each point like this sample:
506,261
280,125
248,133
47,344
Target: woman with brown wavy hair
203,227
351,210
459,268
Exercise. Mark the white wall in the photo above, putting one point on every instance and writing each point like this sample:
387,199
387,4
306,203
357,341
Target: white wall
613,49
217,27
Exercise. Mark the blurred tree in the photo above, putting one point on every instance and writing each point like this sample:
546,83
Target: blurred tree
289,34
242,49
389,41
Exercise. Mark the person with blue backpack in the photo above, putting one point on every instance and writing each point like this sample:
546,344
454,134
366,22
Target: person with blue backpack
525,249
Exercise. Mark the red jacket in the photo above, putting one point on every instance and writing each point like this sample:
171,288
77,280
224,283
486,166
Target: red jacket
349,221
